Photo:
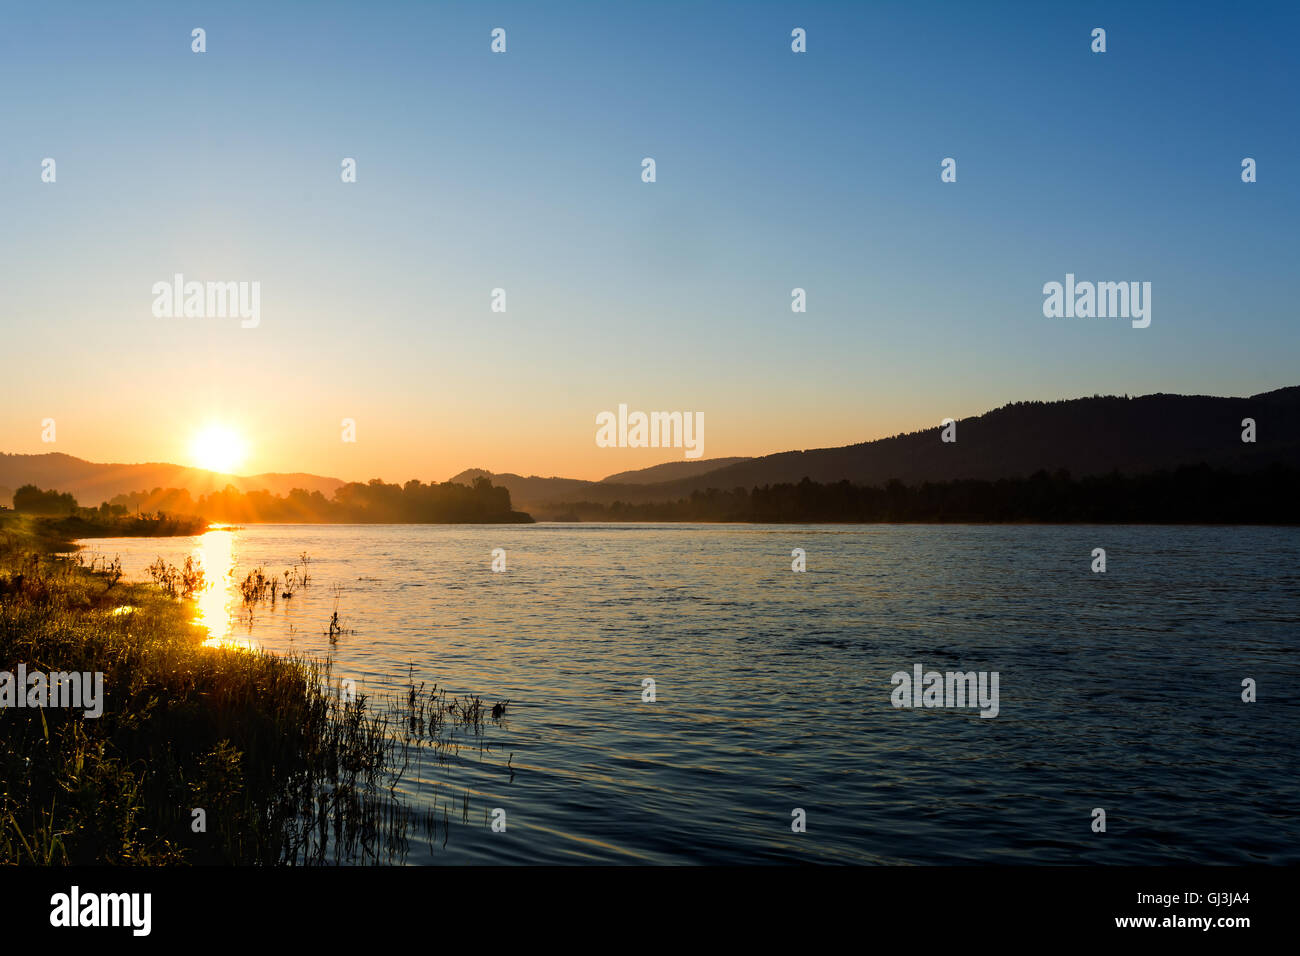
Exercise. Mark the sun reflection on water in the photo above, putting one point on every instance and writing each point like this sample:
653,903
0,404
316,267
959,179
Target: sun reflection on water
214,551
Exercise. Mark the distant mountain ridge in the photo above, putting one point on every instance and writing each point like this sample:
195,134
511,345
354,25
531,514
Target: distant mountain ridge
1084,436
671,471
538,490
93,482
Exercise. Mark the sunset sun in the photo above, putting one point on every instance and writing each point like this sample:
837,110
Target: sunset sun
217,448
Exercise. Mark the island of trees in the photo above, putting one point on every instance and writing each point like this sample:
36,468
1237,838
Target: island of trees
373,502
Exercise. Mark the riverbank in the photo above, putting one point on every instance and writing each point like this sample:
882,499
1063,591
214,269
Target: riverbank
199,754
134,526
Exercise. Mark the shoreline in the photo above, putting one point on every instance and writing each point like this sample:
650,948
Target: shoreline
201,755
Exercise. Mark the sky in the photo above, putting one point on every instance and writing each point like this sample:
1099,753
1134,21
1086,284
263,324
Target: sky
522,171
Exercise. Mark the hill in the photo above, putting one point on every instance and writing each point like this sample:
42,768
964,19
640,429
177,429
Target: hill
670,471
1084,436
92,482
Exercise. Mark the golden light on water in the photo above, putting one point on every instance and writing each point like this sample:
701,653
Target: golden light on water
214,551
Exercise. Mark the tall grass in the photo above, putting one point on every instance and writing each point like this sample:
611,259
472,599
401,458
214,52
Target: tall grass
285,769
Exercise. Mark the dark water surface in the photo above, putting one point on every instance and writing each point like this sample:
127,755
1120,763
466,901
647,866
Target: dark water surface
1119,690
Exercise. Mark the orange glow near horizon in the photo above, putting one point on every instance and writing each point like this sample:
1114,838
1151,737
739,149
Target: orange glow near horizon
229,437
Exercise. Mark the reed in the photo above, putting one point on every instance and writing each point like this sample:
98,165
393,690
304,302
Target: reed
283,767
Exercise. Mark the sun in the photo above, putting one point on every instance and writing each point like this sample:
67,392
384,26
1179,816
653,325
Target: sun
217,448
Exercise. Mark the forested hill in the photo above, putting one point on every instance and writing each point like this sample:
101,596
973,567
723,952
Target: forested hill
1085,436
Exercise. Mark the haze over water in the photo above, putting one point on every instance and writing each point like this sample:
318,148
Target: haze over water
1119,690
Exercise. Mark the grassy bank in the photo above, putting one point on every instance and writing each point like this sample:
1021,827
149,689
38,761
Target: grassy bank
279,767
133,526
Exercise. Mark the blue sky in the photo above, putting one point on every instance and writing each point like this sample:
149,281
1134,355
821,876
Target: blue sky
522,171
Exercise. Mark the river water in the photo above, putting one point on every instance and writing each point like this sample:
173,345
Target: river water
1119,690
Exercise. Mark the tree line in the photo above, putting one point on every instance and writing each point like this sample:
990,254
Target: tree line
354,503
1192,494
